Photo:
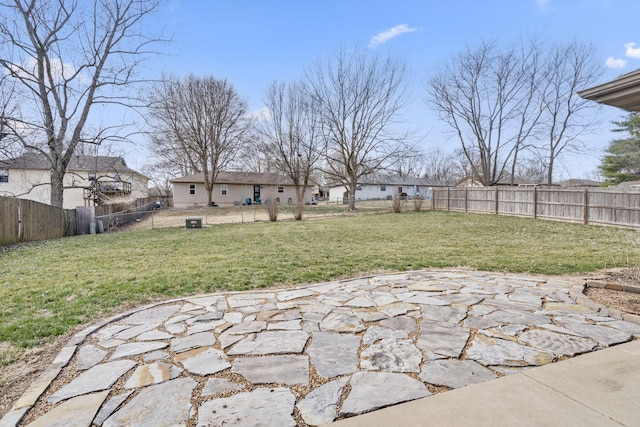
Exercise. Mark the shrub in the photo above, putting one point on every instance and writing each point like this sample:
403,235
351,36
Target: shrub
272,209
417,203
396,204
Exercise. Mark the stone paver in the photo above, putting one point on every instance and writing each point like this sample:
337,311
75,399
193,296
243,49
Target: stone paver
392,355
166,404
314,354
98,378
203,361
455,373
261,407
288,370
334,354
321,405
371,390
79,411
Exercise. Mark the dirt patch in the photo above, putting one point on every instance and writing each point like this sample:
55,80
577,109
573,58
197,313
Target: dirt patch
621,291
16,377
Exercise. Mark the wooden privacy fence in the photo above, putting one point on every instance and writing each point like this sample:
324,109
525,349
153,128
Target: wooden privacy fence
589,206
25,220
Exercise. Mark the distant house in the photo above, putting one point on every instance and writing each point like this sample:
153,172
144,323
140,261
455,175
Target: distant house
579,183
628,186
383,187
89,181
236,188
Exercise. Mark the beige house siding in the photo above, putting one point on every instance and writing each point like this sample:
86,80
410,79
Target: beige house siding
236,193
24,184
34,184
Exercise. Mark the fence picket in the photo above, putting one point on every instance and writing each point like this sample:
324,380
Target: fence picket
588,206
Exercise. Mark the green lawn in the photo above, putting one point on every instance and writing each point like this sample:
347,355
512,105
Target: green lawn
49,288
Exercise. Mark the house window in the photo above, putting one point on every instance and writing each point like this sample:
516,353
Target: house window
224,189
383,188
192,189
358,187
280,189
4,175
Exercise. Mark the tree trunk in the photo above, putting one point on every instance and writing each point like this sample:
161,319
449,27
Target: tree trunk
300,190
57,188
352,196
550,171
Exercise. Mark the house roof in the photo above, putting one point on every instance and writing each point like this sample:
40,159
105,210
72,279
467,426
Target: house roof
240,178
77,163
629,185
622,92
379,179
579,183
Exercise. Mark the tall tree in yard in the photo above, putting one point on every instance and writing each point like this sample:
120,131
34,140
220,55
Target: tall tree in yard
291,134
488,97
65,57
200,122
568,68
356,99
622,161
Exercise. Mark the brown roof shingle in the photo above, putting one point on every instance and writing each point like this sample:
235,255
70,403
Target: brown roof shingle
240,178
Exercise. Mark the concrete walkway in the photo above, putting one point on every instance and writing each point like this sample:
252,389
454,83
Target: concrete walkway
337,350
595,389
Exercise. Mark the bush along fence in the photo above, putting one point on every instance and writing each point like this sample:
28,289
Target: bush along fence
25,220
588,206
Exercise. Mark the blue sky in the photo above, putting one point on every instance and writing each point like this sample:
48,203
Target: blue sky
254,42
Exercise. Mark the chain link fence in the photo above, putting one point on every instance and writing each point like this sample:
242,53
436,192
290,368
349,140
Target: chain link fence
165,218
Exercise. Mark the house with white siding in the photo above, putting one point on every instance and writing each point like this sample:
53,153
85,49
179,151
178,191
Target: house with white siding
383,187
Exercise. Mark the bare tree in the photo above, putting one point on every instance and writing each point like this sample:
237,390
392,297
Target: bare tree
66,56
568,68
291,133
407,162
487,96
200,122
443,169
160,175
255,155
169,154
531,170
356,99
7,112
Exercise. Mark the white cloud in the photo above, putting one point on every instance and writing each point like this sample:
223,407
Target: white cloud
59,70
260,114
542,4
632,51
615,63
387,35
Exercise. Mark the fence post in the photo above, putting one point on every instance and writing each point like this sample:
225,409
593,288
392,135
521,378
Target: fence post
466,196
448,196
20,227
535,202
496,199
585,207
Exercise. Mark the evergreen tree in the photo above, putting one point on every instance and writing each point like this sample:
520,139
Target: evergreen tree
622,161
